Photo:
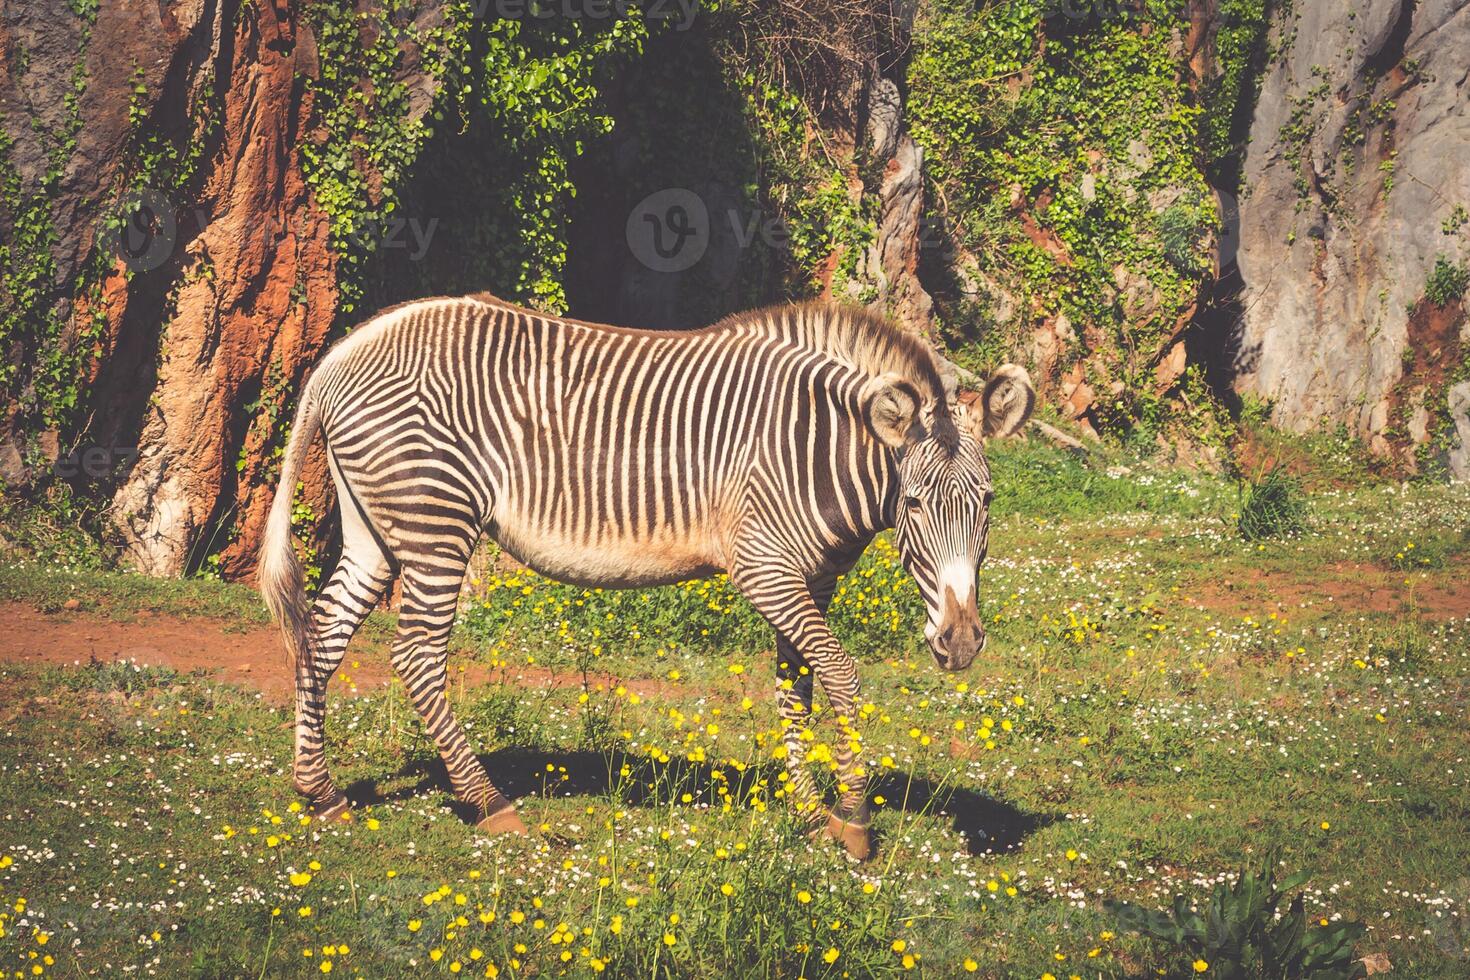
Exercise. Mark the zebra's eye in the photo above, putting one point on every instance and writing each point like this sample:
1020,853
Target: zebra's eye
987,498
913,505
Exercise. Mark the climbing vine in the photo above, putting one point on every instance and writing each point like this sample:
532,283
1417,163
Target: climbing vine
1239,47
534,83
1064,155
40,371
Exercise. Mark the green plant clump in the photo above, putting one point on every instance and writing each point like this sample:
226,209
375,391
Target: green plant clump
1240,934
1446,282
1272,505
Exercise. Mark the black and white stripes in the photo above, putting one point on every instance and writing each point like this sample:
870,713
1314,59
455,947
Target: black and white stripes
773,445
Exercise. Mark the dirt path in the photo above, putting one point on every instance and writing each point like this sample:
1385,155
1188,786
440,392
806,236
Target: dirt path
251,658
254,657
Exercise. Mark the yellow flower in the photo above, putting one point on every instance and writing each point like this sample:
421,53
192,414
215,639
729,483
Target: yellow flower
301,879
1200,966
831,955
326,966
803,897
970,965
1326,825
414,925
304,911
899,945
373,824
1071,854
669,939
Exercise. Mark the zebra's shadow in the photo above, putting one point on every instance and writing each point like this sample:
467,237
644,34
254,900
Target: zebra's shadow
988,825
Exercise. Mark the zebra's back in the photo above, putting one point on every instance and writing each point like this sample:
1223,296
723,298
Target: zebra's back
595,455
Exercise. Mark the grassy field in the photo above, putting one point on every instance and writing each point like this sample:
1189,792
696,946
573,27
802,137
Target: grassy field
1161,705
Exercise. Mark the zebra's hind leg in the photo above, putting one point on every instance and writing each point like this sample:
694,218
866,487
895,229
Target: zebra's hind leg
356,586
430,592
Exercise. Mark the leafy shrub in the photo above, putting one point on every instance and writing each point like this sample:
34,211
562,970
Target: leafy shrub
1446,282
1271,506
1239,934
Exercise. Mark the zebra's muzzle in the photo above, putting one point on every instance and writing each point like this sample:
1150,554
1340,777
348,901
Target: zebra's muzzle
959,637
956,647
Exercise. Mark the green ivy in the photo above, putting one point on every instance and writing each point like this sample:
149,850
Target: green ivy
1446,282
1239,43
1086,128
533,83
41,370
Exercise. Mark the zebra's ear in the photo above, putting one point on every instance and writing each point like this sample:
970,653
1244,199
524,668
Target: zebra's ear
1008,400
892,408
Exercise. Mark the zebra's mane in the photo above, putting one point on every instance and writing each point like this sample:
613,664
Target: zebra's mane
859,337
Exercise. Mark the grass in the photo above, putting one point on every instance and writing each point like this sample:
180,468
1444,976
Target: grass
1272,505
1162,703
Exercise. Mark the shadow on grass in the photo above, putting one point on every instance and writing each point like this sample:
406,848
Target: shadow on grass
988,825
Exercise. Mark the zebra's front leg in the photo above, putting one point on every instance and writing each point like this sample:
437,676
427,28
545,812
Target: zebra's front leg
794,705
787,603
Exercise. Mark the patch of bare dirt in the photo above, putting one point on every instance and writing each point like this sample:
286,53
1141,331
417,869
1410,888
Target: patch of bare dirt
1353,587
252,658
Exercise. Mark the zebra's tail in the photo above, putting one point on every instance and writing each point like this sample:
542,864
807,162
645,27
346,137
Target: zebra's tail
280,576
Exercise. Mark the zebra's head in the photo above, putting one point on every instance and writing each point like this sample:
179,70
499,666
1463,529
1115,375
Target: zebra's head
941,516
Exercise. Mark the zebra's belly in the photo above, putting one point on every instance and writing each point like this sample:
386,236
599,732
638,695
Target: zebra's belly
617,563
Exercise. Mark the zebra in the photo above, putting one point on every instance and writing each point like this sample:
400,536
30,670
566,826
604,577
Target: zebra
772,446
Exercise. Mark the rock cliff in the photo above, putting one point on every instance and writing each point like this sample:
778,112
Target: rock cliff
1354,191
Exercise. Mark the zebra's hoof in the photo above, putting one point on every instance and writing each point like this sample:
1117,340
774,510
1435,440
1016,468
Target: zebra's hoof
855,837
505,821
336,808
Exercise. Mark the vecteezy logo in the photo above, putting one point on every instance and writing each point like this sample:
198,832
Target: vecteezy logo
668,231
141,231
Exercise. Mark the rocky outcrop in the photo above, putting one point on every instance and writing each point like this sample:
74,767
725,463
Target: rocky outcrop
254,298
892,261
1358,161
206,308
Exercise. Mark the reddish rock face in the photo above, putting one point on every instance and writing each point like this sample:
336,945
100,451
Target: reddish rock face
233,297
253,303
